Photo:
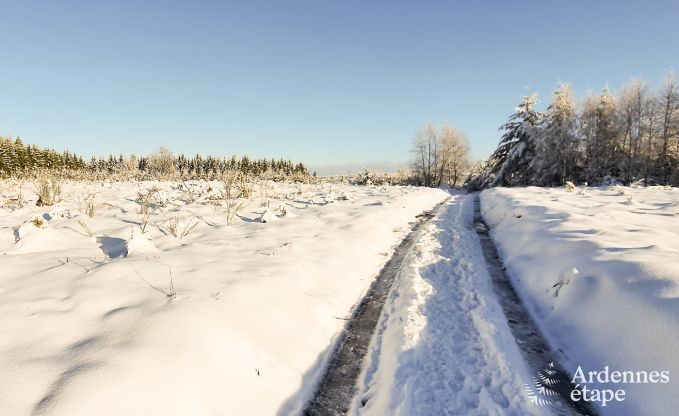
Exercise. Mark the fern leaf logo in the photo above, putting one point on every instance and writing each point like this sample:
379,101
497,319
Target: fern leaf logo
540,391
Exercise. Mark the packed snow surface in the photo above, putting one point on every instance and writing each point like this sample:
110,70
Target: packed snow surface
599,270
194,316
443,346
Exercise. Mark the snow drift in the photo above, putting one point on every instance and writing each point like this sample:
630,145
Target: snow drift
599,270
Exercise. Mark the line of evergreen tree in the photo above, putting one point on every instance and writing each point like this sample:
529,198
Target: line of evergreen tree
631,137
17,158
24,160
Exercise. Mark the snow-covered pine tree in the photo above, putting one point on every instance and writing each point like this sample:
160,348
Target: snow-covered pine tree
510,163
479,176
6,151
556,141
603,149
20,157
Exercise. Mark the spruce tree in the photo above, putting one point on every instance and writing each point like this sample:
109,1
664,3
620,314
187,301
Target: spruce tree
510,163
556,151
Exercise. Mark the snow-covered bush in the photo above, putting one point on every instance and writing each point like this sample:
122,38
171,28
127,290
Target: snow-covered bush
245,185
161,164
610,181
180,227
233,206
87,204
147,202
619,190
48,190
15,195
366,177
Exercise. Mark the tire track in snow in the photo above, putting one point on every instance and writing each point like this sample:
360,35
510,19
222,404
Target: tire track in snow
532,344
338,385
442,346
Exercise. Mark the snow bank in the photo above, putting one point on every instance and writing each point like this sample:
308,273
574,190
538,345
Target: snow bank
87,329
619,307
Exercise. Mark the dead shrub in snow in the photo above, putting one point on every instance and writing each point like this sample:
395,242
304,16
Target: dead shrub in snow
161,164
264,190
233,206
20,196
48,190
87,204
245,185
570,186
189,193
84,226
147,202
178,229
170,294
38,222
15,199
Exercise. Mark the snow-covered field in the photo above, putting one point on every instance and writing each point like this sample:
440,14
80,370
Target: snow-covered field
98,318
599,269
203,315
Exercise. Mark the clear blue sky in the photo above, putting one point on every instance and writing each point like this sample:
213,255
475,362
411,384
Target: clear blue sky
325,82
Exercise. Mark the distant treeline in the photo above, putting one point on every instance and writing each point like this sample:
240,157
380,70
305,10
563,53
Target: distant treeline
631,137
24,160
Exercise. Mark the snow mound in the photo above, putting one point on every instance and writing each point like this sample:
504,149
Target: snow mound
268,216
38,222
285,212
345,196
59,212
140,243
36,236
330,198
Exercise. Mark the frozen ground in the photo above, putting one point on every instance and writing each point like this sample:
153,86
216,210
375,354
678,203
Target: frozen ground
443,346
88,329
599,270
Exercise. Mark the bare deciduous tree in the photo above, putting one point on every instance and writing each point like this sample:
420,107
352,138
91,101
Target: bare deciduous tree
440,157
454,156
669,103
161,164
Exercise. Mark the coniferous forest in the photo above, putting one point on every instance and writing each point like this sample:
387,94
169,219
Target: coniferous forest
21,160
629,137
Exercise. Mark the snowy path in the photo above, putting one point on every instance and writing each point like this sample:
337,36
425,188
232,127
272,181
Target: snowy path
442,346
338,385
